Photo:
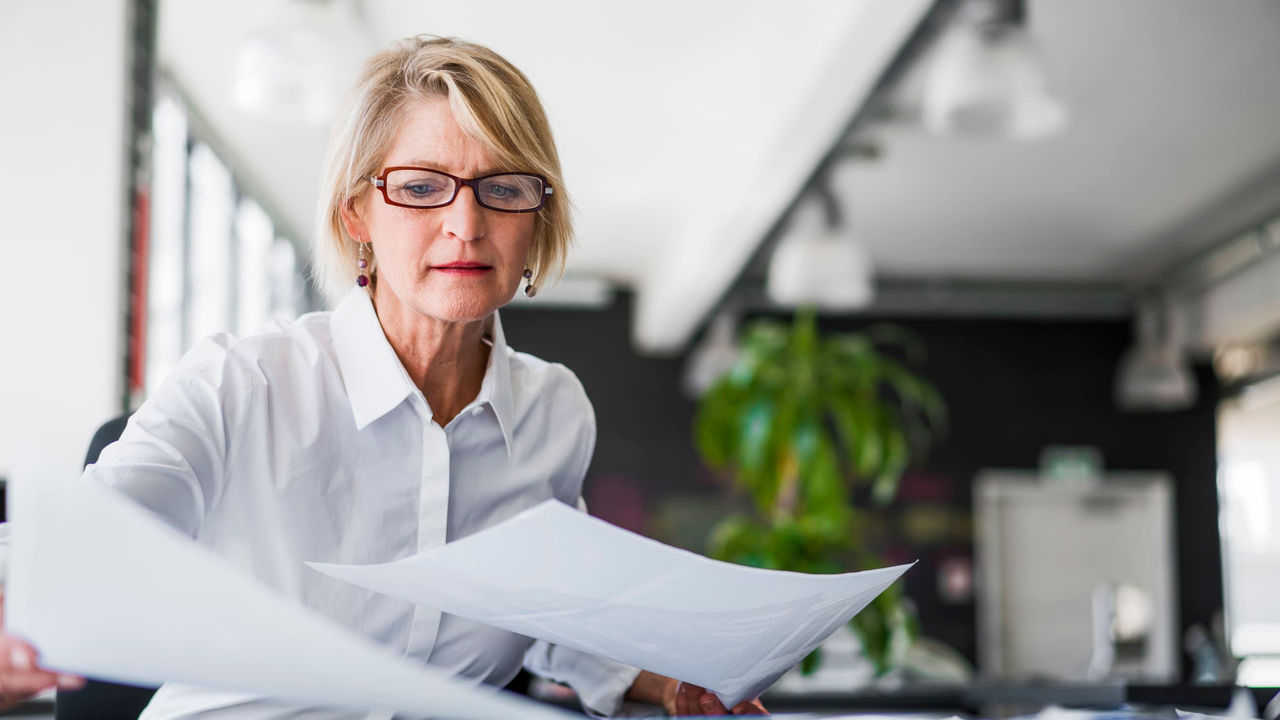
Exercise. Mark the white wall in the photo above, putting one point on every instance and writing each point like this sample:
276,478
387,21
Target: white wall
1242,309
62,157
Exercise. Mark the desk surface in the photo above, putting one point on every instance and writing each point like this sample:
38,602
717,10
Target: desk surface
976,700
979,698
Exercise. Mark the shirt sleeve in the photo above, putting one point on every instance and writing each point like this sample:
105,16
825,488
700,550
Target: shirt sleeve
173,453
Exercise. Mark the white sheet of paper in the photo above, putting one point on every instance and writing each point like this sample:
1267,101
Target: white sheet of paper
102,588
560,575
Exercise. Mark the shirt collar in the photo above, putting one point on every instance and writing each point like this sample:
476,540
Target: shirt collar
377,382
496,387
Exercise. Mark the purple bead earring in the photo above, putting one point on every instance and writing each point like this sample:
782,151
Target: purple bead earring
362,279
529,290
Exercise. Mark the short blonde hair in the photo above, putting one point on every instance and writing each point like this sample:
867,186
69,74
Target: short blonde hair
494,104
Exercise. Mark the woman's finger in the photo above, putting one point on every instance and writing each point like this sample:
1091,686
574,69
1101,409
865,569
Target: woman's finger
711,705
29,683
21,658
70,682
750,707
15,690
28,686
22,676
20,663
691,695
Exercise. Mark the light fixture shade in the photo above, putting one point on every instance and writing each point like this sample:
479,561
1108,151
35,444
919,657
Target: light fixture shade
1154,375
284,73
824,269
1155,380
991,81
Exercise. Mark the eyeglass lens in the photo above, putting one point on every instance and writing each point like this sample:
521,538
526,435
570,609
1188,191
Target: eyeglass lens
511,192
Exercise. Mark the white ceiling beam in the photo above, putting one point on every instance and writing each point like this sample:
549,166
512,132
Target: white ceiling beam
712,251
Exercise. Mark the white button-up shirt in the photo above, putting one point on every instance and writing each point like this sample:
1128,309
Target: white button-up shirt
311,442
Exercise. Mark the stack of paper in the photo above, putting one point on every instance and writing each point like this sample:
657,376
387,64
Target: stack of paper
102,588
560,575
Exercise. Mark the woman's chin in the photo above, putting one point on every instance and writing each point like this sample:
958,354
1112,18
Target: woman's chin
454,302
463,306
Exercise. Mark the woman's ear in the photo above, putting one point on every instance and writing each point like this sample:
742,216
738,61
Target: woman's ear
352,221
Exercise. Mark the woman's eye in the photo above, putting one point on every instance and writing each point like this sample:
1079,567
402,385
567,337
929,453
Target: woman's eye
507,194
421,188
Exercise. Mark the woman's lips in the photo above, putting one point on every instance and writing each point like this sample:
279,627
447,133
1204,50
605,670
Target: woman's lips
463,269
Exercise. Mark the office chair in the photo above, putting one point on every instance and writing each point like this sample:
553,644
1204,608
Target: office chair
101,700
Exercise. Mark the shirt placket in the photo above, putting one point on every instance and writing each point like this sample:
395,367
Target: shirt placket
433,522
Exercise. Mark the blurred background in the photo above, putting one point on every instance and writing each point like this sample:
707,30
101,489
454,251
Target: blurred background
1023,256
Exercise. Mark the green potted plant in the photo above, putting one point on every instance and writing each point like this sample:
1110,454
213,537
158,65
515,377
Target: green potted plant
799,422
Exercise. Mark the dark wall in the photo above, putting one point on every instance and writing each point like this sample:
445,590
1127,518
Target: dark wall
1011,387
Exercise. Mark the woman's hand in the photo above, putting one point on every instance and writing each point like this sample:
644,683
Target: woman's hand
683,699
20,675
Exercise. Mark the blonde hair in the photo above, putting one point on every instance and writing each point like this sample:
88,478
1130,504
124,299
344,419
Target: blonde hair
493,103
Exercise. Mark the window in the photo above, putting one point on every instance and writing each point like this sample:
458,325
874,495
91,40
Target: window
1249,492
215,262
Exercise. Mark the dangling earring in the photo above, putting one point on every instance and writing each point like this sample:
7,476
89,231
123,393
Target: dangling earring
362,279
529,290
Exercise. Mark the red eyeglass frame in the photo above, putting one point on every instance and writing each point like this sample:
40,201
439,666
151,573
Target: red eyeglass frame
380,182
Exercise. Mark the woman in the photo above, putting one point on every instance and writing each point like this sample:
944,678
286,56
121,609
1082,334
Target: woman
401,420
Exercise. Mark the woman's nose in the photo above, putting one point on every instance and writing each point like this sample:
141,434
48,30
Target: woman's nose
464,218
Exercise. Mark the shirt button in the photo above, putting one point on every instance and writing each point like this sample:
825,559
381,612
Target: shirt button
477,410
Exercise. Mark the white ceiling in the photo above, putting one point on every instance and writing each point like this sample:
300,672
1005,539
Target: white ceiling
670,116
1175,127
686,126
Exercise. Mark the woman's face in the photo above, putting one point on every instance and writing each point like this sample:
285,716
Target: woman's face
456,263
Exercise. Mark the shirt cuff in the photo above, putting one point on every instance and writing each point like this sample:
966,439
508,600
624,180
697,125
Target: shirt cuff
607,698
600,683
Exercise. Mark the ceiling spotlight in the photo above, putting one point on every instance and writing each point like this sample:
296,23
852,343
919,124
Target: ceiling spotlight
1154,375
287,70
821,264
988,78
827,269
283,74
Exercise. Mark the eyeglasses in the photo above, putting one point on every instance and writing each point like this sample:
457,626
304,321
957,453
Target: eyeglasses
414,187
